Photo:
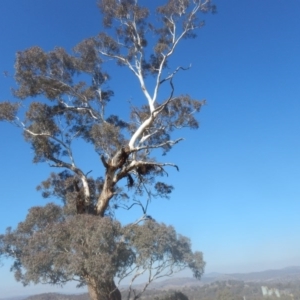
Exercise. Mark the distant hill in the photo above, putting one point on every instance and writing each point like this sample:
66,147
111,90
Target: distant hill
289,274
51,296
15,298
282,275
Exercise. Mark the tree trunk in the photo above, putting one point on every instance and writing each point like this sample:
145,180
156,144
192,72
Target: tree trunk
107,192
112,166
103,290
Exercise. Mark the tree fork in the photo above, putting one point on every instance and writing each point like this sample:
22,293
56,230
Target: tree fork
111,166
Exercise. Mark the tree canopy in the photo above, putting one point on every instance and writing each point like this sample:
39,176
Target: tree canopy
62,98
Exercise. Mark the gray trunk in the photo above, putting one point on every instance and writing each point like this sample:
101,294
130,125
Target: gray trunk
103,291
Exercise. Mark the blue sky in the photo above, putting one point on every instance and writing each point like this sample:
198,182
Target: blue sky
237,193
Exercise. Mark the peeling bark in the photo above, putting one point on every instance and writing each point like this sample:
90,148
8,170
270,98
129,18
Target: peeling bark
103,291
107,192
117,162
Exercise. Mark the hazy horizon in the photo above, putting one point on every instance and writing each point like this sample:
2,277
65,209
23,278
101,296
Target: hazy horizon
70,288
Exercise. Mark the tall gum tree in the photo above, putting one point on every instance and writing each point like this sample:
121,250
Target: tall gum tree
67,98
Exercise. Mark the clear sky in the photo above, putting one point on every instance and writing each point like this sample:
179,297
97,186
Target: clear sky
237,193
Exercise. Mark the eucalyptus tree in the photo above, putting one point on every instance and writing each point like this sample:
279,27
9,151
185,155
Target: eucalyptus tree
62,98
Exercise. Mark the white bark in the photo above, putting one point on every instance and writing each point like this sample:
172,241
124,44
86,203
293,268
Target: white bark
86,190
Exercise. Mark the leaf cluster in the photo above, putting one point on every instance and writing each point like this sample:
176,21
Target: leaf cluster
51,247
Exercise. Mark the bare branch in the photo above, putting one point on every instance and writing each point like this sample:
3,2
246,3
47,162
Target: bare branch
170,143
174,73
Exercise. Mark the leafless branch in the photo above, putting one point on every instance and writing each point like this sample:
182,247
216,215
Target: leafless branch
170,143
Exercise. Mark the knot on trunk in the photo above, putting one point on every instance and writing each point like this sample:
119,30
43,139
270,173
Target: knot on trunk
120,157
